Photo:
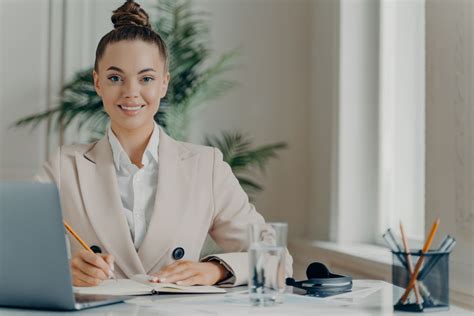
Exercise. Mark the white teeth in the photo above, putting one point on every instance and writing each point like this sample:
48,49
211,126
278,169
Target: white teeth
131,108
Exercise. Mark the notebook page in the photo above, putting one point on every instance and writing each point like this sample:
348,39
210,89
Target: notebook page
116,287
174,288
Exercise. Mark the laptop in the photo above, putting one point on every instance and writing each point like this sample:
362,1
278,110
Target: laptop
34,265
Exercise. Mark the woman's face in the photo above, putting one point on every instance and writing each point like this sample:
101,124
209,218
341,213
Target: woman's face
131,80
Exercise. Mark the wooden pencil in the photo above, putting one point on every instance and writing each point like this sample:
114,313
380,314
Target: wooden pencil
73,233
409,261
425,249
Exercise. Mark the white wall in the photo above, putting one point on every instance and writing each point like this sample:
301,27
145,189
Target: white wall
23,84
324,98
449,134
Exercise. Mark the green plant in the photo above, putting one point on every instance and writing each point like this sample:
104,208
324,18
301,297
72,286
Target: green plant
236,149
195,81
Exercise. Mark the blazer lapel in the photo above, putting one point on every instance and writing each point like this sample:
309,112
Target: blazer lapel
98,182
175,174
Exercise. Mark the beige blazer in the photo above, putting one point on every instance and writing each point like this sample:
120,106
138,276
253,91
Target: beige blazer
197,194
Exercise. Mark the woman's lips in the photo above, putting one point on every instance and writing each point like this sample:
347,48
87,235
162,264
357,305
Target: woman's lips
131,110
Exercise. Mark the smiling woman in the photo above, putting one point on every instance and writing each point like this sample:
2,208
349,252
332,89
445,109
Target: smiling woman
131,78
147,200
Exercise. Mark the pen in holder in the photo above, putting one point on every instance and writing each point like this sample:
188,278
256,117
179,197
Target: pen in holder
432,281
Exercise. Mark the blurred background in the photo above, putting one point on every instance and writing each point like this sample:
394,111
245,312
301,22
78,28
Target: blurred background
373,99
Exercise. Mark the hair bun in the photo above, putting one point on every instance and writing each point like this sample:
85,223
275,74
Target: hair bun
130,13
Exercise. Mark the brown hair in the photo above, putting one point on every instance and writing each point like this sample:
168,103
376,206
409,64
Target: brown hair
130,23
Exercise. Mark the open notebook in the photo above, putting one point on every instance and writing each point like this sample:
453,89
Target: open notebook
140,285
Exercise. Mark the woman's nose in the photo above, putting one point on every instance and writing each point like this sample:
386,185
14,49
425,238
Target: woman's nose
131,89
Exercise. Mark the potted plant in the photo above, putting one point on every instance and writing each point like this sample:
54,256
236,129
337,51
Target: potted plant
194,83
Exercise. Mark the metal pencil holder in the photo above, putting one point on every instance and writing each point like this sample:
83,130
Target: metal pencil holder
432,281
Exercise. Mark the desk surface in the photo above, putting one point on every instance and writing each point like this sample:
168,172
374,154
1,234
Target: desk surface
368,298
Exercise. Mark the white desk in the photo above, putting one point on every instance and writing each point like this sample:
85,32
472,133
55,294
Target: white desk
374,298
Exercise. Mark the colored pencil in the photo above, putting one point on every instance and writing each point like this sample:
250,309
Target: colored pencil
410,262
425,249
75,235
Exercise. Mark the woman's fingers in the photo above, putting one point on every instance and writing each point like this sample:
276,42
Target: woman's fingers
176,267
109,259
173,267
81,279
94,260
178,276
89,269
191,273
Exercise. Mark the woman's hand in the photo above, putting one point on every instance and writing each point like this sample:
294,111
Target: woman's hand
90,269
185,272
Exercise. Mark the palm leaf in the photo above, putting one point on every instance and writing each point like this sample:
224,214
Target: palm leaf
236,151
250,187
78,103
257,157
35,119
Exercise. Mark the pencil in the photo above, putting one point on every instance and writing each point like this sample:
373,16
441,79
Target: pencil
409,261
83,244
73,233
425,249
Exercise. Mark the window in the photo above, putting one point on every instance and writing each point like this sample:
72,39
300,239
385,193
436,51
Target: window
379,159
402,117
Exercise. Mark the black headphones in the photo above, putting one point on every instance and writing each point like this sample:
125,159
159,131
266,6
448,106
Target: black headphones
321,282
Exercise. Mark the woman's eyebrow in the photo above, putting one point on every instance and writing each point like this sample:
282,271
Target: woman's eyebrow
140,72
146,70
115,68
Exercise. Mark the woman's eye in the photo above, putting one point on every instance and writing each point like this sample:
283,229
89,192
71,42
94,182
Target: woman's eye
114,78
148,79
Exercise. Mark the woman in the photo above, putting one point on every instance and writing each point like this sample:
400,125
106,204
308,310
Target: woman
138,194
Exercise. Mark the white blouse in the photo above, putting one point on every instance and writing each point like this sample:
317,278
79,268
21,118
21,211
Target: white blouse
137,186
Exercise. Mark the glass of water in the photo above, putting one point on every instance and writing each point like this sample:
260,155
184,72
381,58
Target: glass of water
267,252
